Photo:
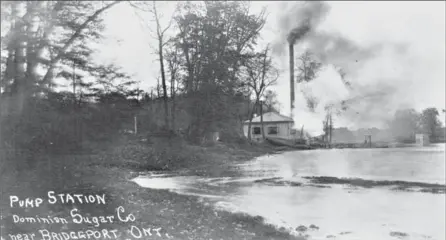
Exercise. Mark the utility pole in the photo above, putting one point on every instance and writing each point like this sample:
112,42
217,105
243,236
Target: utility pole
331,128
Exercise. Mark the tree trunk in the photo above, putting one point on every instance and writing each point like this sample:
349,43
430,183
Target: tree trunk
261,120
249,127
163,82
31,61
21,86
250,119
172,95
10,62
249,123
190,74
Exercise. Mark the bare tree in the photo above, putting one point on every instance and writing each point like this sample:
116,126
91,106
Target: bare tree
308,67
328,125
260,74
172,60
160,34
161,43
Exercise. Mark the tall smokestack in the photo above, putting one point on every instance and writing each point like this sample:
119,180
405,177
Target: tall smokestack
295,35
291,78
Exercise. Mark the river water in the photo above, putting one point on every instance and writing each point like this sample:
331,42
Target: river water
274,188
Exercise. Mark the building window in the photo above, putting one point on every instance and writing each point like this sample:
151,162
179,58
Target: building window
256,130
273,130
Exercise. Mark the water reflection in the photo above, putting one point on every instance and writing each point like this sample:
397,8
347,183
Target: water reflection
367,214
357,213
407,164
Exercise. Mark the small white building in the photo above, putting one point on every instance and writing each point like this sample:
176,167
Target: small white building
274,125
422,139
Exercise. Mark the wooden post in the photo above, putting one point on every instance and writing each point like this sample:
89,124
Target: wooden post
135,124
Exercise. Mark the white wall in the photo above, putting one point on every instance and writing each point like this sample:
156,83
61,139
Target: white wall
284,130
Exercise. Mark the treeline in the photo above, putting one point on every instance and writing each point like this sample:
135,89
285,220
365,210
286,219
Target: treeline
403,127
211,75
408,122
47,48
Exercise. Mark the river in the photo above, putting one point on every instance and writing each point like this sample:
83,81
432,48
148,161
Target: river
276,187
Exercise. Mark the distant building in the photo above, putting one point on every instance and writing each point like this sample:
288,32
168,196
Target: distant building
274,125
422,139
368,141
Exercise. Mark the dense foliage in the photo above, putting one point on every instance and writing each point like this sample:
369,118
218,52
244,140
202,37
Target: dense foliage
408,122
55,97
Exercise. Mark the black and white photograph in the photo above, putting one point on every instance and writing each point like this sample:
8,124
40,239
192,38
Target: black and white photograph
223,120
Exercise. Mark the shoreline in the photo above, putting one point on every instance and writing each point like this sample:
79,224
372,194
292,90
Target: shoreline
181,217
110,172
328,182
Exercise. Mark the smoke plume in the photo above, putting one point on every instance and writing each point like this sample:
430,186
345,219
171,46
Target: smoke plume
302,18
298,33
358,100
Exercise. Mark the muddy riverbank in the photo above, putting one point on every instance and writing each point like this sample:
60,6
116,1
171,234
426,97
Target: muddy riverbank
109,173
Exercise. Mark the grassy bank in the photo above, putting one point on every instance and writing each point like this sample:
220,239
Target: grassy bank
108,172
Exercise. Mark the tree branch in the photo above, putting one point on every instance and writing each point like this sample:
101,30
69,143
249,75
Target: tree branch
74,37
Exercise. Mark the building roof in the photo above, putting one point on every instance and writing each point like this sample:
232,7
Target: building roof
271,117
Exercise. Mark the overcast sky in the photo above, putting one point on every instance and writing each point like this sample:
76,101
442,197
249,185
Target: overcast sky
408,70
